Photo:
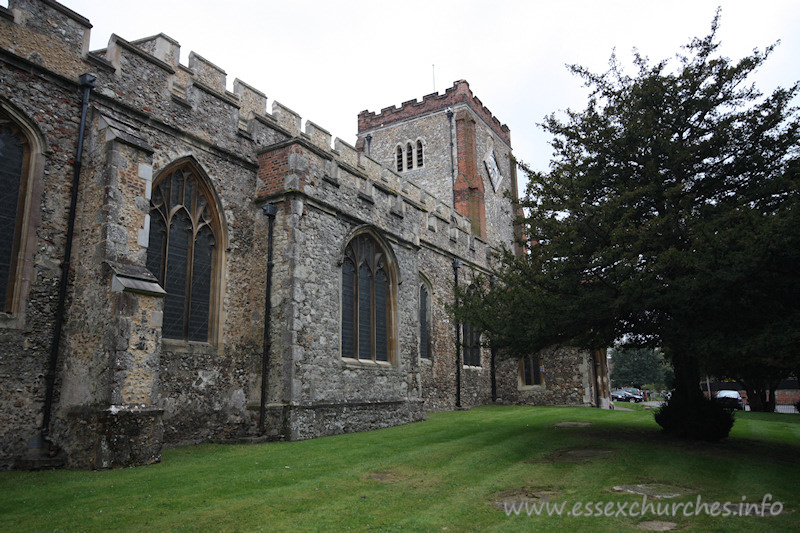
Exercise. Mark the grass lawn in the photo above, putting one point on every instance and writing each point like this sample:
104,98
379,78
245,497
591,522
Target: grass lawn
445,474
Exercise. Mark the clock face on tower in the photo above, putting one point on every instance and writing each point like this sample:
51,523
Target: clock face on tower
493,170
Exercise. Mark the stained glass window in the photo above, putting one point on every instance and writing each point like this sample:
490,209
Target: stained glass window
13,152
366,301
181,253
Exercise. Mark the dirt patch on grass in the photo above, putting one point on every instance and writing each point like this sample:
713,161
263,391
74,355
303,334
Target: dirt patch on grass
573,424
385,476
657,525
654,490
571,455
522,496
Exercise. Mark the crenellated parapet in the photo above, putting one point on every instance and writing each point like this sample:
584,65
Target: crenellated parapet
347,181
147,75
27,30
459,93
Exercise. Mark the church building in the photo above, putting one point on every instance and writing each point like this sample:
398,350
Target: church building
178,264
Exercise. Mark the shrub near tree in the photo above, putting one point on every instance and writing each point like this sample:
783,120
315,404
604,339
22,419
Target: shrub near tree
668,217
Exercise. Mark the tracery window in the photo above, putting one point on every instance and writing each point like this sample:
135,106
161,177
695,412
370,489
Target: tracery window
14,163
472,346
367,301
183,248
409,157
530,370
420,159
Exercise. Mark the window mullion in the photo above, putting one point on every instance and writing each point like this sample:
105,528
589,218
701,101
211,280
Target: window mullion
356,307
372,319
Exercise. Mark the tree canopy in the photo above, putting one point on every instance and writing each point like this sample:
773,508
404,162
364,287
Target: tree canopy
669,217
636,367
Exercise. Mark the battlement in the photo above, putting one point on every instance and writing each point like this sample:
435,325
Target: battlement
146,74
459,93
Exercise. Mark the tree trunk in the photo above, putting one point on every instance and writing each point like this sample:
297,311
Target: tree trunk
687,379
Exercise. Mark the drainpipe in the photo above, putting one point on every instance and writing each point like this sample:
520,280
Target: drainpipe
269,211
88,82
452,164
493,371
456,266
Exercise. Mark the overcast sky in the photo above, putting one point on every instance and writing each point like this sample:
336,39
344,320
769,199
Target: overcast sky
328,60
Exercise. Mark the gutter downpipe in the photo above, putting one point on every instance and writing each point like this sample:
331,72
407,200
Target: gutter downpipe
270,211
456,266
493,349
452,164
87,83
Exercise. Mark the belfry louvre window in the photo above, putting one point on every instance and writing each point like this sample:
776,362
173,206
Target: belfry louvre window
530,370
472,346
420,159
399,159
409,157
182,252
366,301
14,158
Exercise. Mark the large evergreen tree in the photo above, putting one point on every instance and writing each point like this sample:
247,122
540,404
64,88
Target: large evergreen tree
637,367
669,217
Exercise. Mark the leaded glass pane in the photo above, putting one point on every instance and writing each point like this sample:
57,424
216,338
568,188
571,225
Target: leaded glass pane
201,285
423,322
12,155
348,309
180,234
381,325
364,312
527,370
472,350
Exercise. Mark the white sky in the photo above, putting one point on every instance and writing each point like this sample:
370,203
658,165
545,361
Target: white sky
330,59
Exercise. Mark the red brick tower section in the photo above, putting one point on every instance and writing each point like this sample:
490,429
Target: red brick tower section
469,192
281,168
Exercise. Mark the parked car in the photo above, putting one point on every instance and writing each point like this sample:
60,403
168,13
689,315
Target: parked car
624,395
638,394
730,399
619,396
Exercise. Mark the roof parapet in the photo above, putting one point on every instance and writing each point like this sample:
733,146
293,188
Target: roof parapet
459,93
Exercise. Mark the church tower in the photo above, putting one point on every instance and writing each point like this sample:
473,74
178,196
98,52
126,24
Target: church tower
452,146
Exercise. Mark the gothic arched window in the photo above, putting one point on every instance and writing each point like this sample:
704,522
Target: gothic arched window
420,158
367,301
182,253
409,157
14,163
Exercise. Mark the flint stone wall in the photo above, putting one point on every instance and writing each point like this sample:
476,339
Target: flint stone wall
122,391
